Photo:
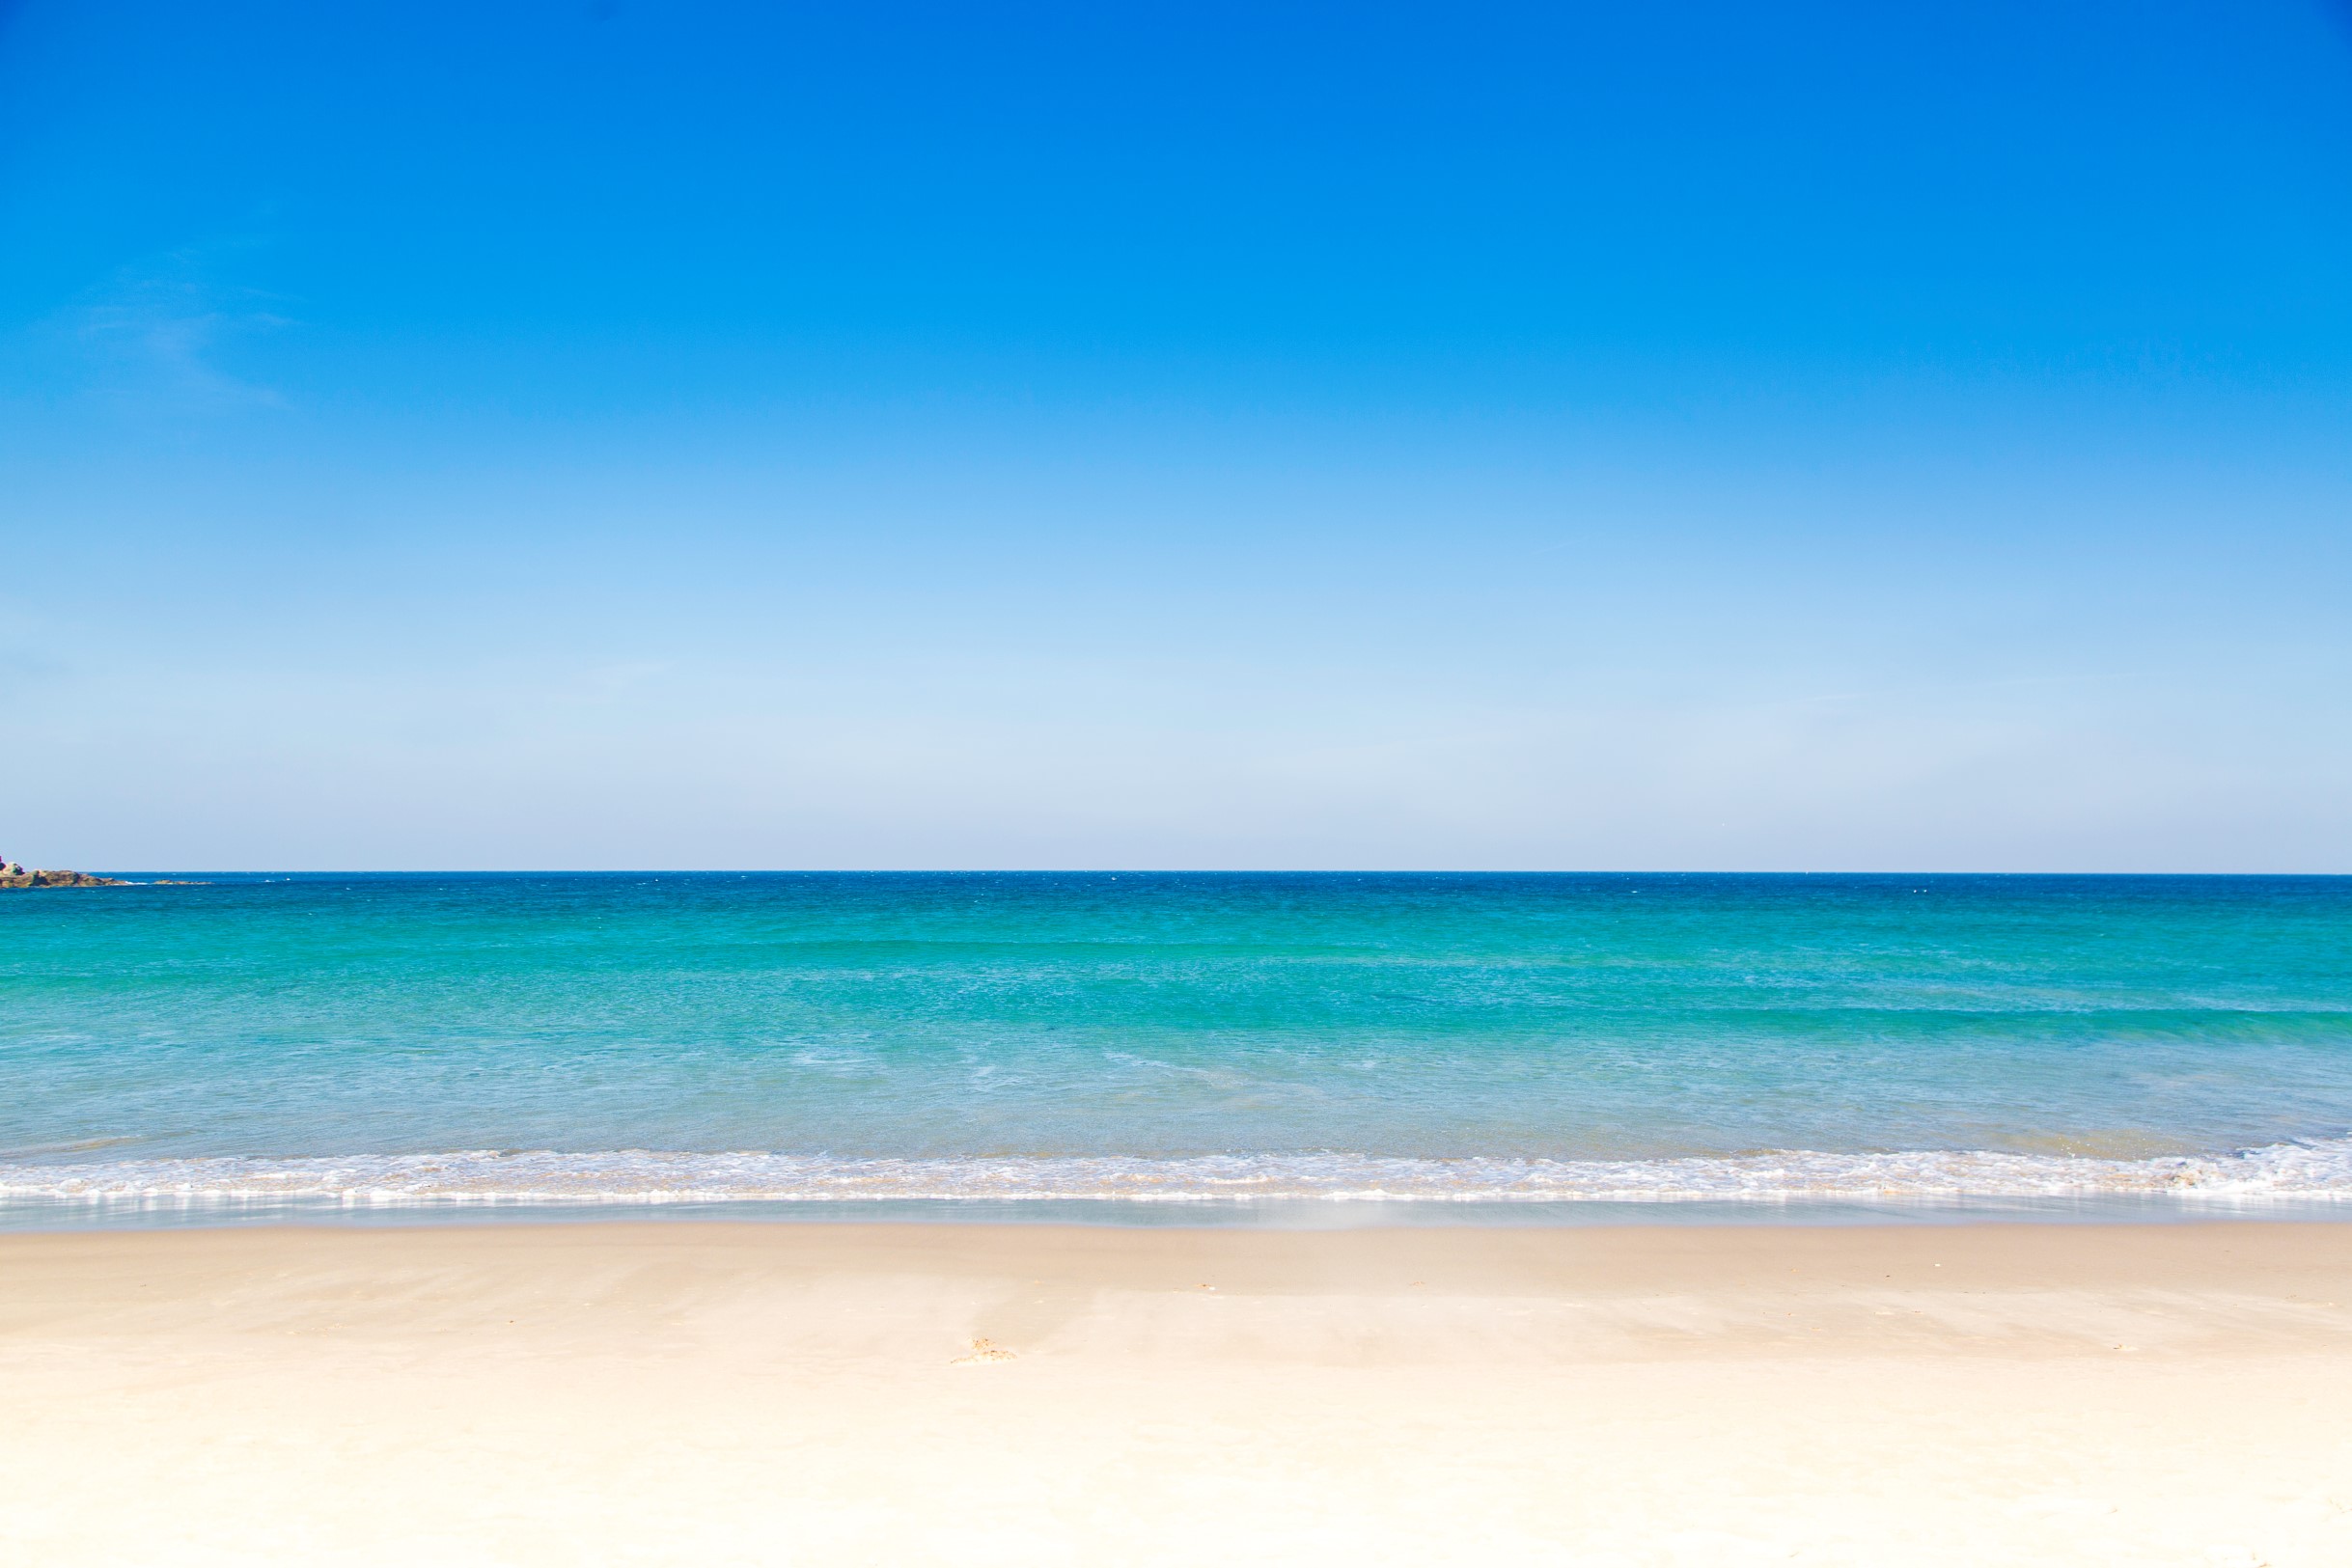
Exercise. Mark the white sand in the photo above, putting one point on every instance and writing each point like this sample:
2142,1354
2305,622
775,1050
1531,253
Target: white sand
793,1395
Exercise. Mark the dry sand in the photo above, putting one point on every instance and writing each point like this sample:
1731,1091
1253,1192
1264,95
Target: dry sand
811,1394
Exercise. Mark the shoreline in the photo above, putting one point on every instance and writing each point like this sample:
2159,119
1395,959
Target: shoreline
2312,1169
1289,1215
680,1390
2281,1255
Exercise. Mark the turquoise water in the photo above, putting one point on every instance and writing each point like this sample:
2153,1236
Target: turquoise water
420,1040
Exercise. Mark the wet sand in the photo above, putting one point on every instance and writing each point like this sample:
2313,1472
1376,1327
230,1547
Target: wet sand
833,1393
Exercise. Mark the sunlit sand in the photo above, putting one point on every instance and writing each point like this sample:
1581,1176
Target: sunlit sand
823,1394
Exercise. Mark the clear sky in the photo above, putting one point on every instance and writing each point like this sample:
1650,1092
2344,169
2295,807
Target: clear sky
609,434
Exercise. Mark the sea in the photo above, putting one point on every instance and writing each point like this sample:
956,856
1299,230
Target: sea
1188,1047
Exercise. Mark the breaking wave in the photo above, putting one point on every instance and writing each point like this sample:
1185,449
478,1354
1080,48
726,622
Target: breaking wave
2316,1169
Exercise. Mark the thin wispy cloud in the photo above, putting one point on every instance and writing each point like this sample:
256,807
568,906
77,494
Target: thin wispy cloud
164,331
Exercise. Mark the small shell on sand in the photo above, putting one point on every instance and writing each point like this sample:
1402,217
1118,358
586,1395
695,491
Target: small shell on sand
983,1351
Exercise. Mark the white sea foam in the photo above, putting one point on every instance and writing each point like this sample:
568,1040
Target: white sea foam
2317,1169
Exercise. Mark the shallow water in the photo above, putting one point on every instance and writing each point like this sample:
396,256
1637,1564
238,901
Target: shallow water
422,1041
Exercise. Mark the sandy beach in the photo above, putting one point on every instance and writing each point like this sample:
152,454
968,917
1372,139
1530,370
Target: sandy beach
699,1394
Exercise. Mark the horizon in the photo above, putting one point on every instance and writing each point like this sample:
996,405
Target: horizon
1116,872
905,436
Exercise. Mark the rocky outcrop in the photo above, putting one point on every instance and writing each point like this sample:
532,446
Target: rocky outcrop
18,877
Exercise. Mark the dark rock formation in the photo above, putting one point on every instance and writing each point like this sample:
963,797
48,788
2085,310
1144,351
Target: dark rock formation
58,879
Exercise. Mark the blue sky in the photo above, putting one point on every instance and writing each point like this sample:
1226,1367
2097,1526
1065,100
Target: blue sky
1813,436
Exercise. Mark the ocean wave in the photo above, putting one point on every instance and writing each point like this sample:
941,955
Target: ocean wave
2316,1169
